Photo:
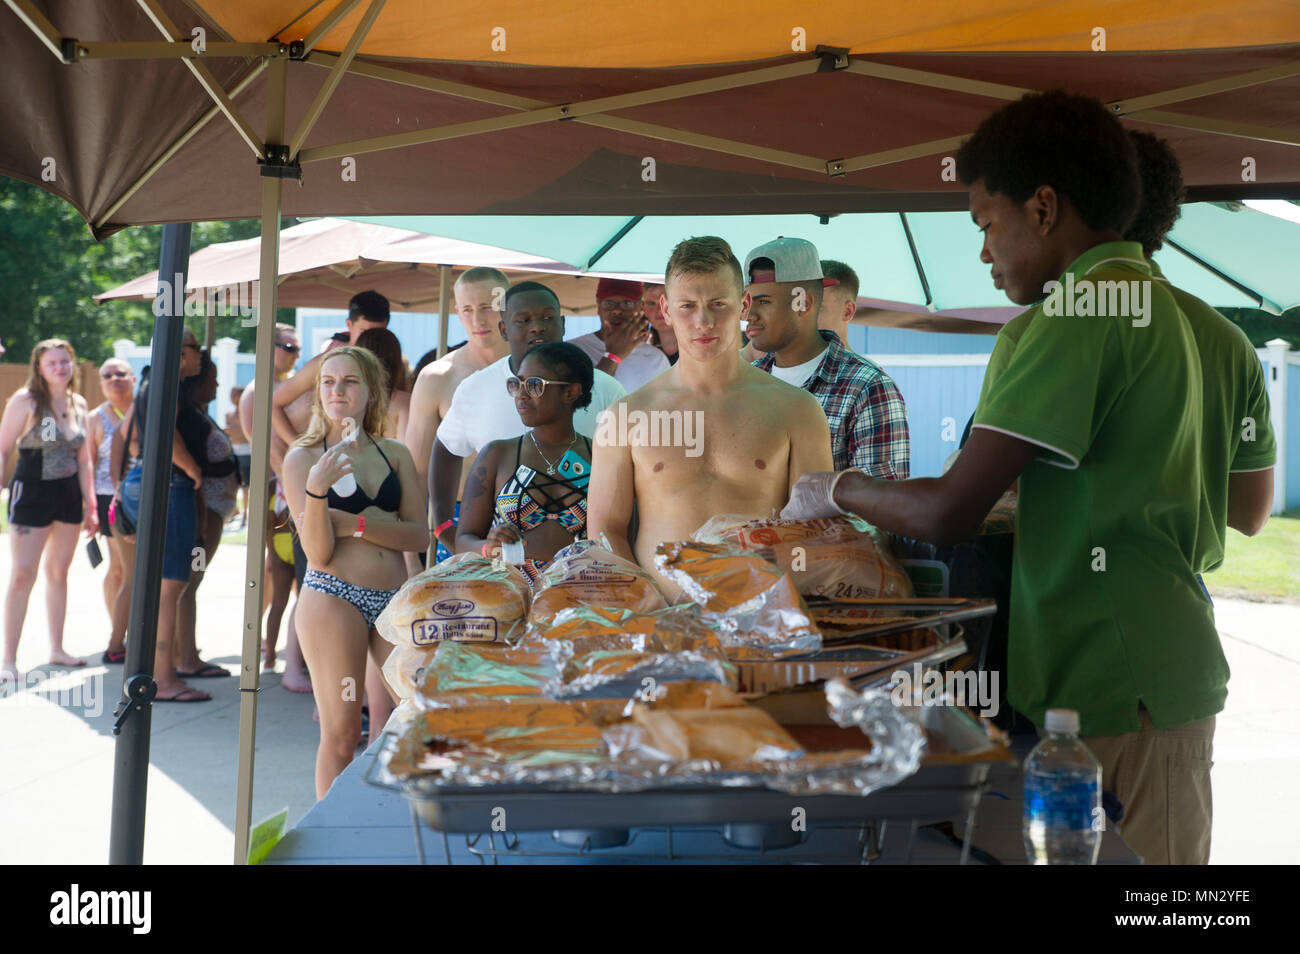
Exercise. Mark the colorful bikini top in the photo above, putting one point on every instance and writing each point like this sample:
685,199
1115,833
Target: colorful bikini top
516,503
388,497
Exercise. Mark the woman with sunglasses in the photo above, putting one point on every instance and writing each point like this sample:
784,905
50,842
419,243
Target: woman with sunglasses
51,496
533,489
354,534
117,381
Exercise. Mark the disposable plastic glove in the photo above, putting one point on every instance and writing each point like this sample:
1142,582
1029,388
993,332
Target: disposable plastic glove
813,496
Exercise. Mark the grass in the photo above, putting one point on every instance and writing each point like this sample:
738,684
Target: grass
1264,567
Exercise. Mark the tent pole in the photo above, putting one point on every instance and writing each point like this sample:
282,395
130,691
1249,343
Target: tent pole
154,11
131,752
263,385
444,305
39,24
335,76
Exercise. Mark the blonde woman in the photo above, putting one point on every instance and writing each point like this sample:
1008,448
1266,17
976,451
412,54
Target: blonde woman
354,544
52,494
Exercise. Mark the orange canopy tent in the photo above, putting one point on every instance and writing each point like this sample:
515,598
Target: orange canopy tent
164,111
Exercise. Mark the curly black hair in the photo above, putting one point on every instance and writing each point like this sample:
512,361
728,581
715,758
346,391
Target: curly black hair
1069,142
1163,192
567,362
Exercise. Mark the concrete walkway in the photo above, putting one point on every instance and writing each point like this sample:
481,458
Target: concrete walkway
56,741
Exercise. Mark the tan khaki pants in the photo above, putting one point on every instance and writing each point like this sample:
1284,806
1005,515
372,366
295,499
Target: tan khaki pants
1162,777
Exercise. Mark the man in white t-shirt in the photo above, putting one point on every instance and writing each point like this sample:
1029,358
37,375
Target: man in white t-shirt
621,347
482,410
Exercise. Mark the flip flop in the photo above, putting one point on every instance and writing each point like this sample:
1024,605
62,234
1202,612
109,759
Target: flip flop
113,659
188,694
206,671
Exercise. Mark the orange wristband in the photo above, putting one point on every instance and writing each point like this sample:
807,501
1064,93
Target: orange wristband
361,526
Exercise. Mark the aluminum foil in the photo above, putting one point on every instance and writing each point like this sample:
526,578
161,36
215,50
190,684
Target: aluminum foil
430,757
754,604
598,651
460,674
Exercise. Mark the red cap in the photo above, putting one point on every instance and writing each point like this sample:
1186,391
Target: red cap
617,287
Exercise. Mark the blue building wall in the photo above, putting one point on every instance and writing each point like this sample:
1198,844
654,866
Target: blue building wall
939,402
906,341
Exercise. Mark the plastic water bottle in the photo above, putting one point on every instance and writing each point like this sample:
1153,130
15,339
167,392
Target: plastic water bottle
1063,818
346,485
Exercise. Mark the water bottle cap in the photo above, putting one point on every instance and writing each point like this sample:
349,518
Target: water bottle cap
1063,721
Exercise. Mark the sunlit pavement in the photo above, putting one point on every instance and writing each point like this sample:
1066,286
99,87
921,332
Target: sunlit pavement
56,742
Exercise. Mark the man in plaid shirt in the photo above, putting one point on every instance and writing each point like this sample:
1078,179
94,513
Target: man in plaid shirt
864,409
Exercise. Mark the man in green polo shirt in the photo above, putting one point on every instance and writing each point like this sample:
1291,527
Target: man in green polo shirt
1096,405
1240,449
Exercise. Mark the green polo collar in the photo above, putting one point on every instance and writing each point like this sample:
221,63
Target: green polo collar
1128,254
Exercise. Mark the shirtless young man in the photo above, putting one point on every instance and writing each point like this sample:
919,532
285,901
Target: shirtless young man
756,434
480,296
287,350
286,355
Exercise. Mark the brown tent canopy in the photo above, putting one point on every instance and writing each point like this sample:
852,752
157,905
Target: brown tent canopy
737,114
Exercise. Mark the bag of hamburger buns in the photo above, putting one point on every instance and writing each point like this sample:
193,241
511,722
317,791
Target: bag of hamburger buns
587,574
753,603
832,557
467,598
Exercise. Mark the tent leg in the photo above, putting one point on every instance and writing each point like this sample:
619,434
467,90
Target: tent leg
263,384
131,753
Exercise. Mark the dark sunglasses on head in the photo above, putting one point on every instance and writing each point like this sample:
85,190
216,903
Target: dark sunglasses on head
116,374
285,346
533,387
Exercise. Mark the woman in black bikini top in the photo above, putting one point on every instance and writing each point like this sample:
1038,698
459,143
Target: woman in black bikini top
359,505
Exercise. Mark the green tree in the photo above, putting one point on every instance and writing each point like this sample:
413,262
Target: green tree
51,267
1261,327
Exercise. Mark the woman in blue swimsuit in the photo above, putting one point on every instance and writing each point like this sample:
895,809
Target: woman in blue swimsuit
354,537
533,489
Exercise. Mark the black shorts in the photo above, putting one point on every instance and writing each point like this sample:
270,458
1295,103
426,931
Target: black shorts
102,502
245,464
38,503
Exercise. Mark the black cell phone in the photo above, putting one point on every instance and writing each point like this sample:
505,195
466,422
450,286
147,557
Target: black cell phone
92,551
